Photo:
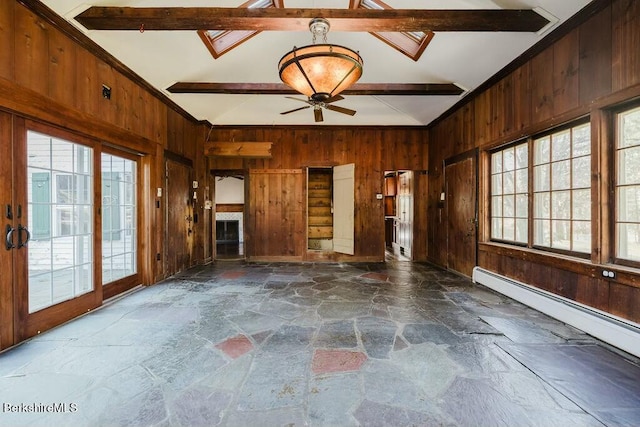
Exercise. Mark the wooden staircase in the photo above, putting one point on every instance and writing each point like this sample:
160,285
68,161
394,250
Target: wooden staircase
319,204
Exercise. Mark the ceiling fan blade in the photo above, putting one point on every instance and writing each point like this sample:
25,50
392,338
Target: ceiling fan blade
317,113
296,109
334,99
340,109
301,100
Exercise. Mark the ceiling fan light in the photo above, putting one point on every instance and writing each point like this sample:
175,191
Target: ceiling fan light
320,71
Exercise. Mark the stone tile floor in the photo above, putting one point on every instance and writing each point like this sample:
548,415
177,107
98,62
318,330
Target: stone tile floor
389,344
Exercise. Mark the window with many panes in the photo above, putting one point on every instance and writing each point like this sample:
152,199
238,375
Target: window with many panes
509,194
628,185
562,190
560,194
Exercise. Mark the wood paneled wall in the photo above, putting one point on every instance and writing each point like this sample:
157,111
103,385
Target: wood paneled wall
51,73
593,65
372,150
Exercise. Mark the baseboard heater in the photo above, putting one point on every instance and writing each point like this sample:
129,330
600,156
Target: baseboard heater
618,332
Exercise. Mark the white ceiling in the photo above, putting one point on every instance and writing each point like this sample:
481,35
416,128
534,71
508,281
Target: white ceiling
166,57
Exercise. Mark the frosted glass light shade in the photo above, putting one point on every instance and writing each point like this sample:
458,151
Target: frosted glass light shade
320,71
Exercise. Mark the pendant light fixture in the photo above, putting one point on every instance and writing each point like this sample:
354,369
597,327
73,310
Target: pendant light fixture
320,71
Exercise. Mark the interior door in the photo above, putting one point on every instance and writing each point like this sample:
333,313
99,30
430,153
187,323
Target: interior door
179,226
344,208
461,207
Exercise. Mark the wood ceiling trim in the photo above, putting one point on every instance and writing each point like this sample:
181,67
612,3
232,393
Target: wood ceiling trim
281,89
274,19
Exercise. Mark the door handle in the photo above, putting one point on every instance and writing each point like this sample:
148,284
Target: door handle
22,244
9,237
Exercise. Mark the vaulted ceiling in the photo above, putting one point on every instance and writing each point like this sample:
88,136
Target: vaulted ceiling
218,60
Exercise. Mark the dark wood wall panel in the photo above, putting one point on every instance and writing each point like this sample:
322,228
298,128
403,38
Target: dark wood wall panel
519,101
542,86
62,67
37,56
369,174
624,301
31,51
7,45
595,57
626,39
372,150
565,73
276,215
585,70
591,291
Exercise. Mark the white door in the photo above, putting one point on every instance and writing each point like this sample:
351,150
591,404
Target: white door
343,208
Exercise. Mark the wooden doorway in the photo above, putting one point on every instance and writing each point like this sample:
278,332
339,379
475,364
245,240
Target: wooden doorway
179,217
229,215
461,183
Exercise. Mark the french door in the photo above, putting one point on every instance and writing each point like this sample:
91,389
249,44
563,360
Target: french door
70,223
48,198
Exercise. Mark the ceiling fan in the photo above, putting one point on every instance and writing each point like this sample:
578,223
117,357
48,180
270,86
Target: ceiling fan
319,105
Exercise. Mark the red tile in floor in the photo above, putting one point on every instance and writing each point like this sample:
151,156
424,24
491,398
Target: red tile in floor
325,361
232,274
376,276
235,347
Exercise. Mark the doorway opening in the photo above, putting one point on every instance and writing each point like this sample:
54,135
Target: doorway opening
398,215
229,220
330,211
320,209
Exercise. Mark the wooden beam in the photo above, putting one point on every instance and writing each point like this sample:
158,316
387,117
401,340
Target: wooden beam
281,89
293,19
255,150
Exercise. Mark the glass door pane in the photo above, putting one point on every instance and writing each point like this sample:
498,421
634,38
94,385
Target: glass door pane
119,218
60,206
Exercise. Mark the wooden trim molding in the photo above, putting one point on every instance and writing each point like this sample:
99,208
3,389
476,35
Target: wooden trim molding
175,157
249,150
230,207
625,275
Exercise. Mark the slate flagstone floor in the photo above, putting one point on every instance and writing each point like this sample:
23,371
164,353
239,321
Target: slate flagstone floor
388,344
